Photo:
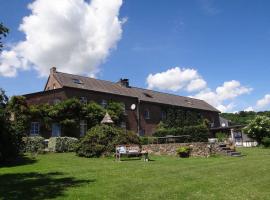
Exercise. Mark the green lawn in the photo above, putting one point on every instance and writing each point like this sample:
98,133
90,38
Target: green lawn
66,176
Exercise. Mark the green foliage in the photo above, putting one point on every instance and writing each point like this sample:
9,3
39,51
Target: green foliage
183,150
62,144
116,111
221,136
258,128
243,117
177,118
93,113
33,144
102,139
18,107
10,141
3,32
197,133
266,142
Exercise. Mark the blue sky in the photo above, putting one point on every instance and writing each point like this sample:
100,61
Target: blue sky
221,40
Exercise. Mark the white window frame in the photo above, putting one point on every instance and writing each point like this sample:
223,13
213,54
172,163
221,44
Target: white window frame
35,128
83,128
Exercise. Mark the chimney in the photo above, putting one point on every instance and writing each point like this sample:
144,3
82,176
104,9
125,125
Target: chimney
124,82
52,70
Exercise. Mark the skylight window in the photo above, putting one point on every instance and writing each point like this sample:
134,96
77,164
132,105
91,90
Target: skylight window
148,95
77,81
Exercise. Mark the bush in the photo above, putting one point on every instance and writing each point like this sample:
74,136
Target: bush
102,139
147,140
266,142
183,152
62,144
33,144
221,136
198,133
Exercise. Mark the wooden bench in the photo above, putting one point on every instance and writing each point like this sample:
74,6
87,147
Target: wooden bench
130,151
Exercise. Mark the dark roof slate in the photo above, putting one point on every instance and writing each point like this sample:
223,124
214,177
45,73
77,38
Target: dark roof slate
67,80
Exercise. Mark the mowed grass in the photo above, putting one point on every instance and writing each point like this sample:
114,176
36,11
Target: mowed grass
66,176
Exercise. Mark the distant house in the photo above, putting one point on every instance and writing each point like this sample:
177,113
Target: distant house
234,131
144,108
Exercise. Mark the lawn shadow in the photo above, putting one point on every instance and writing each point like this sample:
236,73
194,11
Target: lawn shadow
36,186
22,160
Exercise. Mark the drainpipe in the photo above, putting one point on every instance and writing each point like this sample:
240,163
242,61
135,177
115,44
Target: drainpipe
138,117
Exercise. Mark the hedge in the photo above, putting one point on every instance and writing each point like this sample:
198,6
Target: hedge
33,144
62,144
198,133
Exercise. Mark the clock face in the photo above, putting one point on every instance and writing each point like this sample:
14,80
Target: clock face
133,107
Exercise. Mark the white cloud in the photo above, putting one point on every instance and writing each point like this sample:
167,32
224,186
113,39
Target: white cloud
175,79
73,35
228,91
248,109
264,102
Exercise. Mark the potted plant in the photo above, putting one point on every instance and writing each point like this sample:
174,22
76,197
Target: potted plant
183,152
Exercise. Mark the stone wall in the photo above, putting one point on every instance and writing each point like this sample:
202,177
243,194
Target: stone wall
200,149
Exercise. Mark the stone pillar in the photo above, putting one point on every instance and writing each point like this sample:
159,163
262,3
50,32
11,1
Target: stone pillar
232,136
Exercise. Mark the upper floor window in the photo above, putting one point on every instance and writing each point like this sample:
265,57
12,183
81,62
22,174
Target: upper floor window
83,100
104,103
163,115
54,86
146,114
77,81
35,128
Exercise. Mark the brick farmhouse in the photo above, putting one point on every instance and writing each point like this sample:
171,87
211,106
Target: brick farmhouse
144,108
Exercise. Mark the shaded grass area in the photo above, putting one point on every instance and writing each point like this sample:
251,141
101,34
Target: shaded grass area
66,176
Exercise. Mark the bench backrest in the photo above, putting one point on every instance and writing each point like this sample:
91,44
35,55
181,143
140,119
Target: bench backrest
128,149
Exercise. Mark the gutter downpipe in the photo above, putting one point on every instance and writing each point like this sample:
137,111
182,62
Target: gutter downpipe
138,117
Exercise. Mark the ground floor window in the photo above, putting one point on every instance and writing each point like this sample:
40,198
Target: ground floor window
35,128
56,130
83,128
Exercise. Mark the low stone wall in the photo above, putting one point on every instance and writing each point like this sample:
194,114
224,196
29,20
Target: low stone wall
200,149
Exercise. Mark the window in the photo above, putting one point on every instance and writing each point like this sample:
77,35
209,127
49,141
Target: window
54,86
142,132
163,115
103,103
83,100
35,127
146,114
77,81
148,95
83,128
56,101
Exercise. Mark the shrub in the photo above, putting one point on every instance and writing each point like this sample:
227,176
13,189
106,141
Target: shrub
33,144
266,142
198,133
62,144
183,151
102,139
221,136
258,128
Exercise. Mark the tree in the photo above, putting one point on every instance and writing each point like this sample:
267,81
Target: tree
10,142
3,32
258,128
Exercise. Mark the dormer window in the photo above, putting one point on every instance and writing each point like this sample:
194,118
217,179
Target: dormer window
77,81
148,95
